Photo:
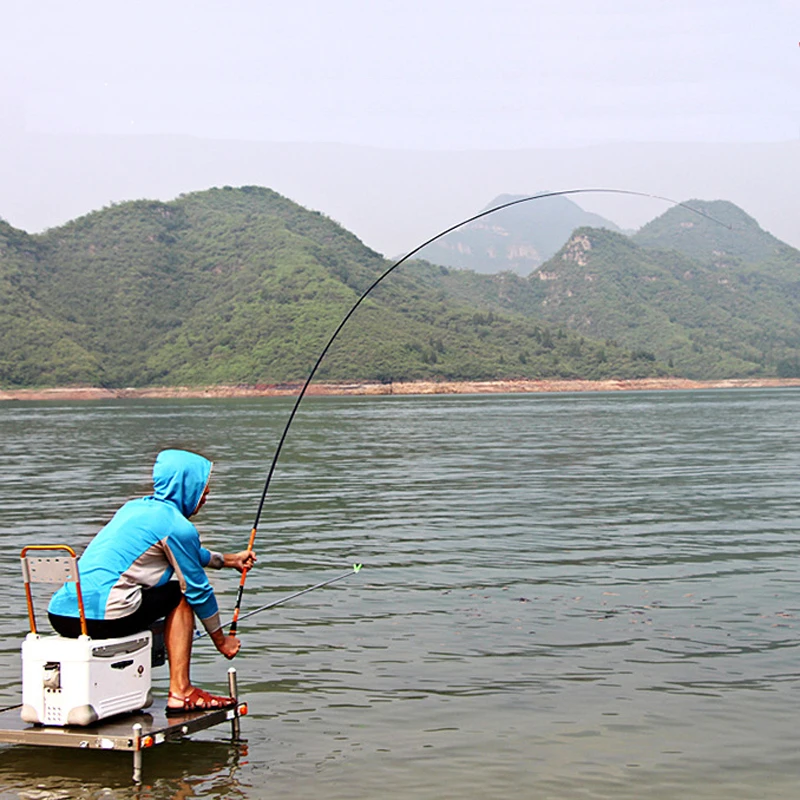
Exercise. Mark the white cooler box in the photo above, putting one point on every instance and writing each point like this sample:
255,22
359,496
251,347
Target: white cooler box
79,681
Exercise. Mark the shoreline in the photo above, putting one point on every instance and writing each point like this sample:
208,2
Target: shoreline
399,388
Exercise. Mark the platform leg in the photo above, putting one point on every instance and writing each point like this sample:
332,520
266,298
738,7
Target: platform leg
233,691
137,753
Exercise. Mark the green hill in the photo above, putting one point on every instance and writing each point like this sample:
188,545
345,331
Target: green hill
722,235
603,284
244,286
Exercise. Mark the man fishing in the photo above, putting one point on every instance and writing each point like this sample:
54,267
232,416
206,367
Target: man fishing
126,576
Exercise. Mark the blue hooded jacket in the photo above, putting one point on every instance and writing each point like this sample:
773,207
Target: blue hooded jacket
147,542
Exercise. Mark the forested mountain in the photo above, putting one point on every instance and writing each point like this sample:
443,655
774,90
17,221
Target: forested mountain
244,286
712,296
519,238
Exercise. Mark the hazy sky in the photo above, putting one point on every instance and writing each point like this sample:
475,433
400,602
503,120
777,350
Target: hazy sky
441,74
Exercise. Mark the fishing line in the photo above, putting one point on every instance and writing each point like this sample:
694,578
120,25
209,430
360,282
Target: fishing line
356,568
388,271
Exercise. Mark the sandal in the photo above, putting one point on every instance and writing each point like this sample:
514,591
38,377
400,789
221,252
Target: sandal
199,700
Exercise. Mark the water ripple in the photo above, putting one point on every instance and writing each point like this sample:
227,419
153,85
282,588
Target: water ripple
563,596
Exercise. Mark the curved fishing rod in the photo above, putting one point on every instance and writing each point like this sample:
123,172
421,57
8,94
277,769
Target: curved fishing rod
364,295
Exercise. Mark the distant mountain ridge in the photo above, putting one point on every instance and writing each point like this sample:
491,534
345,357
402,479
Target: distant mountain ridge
519,238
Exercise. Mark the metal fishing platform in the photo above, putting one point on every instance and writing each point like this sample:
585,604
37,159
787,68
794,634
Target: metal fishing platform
94,694
133,732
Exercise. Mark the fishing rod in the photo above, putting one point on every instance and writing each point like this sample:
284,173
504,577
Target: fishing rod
356,568
384,274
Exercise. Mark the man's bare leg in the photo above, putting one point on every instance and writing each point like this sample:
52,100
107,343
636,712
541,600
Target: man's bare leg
178,635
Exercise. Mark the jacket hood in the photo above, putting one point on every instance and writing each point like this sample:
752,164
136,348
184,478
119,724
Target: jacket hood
180,478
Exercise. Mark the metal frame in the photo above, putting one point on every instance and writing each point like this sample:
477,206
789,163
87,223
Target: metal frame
55,569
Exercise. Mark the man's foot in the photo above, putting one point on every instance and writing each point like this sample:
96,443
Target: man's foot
197,700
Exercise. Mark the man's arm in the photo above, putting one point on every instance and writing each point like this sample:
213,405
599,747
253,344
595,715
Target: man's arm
227,645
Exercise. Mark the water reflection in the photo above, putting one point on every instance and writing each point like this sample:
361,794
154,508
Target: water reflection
33,773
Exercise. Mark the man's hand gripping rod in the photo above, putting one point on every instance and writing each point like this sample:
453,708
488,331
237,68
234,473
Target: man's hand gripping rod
240,593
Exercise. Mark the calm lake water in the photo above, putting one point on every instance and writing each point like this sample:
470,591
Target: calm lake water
563,596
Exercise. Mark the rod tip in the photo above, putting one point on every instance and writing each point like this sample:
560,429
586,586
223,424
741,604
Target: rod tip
357,567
